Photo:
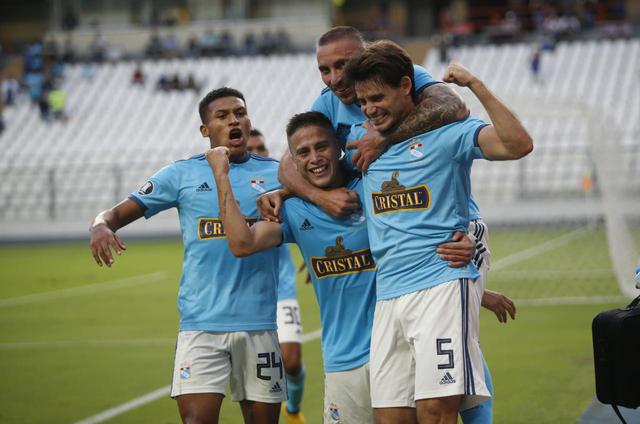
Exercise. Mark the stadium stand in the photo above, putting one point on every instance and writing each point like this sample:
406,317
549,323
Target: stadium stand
118,134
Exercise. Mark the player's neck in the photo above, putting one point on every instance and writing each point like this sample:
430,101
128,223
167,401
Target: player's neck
240,157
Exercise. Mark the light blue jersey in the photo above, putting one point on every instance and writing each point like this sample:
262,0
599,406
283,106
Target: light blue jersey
344,116
416,196
287,277
218,292
342,270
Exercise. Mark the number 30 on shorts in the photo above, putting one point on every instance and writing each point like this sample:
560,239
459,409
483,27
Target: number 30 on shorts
268,360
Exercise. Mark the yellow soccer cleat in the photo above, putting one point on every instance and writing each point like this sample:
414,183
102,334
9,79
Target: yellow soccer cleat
290,418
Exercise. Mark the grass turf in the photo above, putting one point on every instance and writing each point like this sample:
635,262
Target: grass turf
70,357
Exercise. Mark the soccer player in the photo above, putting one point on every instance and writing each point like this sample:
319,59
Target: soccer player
416,194
288,315
336,251
437,105
227,305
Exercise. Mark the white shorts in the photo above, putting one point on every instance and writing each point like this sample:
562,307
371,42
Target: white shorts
250,362
424,345
289,322
347,398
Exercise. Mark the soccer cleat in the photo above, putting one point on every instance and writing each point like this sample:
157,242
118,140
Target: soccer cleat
291,418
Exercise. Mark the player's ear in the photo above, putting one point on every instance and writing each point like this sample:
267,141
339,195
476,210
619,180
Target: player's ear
405,85
204,131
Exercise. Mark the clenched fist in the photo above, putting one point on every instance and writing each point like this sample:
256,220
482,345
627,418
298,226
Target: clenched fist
458,74
218,159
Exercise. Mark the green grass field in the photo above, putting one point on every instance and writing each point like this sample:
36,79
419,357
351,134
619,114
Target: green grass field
76,340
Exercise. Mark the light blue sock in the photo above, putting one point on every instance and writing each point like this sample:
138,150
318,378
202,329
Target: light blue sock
483,413
295,388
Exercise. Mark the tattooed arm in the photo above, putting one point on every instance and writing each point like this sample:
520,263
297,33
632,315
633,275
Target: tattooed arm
242,239
438,105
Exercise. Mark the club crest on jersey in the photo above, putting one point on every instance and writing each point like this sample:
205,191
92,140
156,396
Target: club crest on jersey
394,197
212,228
256,183
339,260
185,373
416,150
147,188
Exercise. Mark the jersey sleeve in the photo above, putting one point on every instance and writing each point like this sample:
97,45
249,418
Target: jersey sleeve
285,223
467,148
356,133
159,193
321,104
422,78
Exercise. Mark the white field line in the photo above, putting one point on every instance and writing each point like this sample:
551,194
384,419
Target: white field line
536,250
83,290
543,248
132,404
157,394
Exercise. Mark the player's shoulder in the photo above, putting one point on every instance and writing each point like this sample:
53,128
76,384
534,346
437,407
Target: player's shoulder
324,102
357,131
259,158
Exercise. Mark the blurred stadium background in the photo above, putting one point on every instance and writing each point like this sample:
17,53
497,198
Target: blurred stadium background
97,95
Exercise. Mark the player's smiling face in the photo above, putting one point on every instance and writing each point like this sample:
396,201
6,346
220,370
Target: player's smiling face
228,125
383,104
332,58
315,154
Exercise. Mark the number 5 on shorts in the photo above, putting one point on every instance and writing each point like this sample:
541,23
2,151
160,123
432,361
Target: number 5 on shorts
447,352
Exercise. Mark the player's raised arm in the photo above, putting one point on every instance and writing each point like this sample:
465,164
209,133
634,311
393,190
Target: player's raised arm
438,105
336,202
242,240
507,138
104,227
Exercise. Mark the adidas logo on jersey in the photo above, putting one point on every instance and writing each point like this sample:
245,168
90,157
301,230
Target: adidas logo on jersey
276,388
306,225
204,187
447,379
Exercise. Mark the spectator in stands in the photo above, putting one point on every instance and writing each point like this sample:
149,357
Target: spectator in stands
44,106
283,42
10,90
98,48
535,65
138,76
193,48
175,83
169,46
266,45
227,44
250,47
34,81
57,101
154,47
164,83
191,83
69,19
210,43
68,51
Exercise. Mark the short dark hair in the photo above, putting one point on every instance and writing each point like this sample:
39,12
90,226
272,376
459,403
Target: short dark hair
255,133
307,119
340,32
383,60
218,93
